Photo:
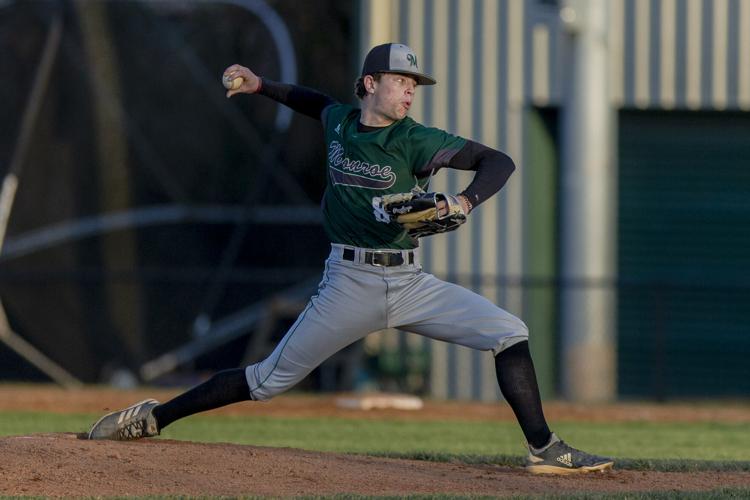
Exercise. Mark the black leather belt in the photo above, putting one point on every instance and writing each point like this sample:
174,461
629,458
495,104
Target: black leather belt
386,259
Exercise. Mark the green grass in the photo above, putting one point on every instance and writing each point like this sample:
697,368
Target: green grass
638,441
14,423
703,441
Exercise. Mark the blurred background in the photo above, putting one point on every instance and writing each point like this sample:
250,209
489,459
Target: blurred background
153,231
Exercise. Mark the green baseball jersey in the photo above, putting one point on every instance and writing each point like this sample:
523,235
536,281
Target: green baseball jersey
364,166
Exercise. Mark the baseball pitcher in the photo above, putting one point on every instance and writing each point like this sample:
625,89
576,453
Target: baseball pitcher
376,206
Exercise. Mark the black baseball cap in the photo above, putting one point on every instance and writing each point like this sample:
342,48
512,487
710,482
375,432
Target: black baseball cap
394,58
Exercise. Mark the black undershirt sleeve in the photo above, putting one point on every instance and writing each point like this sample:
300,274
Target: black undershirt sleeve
493,168
303,100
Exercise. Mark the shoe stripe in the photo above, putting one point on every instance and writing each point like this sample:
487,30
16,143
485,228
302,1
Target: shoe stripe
128,413
566,459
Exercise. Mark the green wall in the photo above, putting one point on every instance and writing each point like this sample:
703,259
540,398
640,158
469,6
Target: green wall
684,254
540,233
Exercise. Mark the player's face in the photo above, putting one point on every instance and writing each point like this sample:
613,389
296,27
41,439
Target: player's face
393,95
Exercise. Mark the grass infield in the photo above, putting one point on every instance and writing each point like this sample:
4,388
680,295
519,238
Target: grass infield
636,445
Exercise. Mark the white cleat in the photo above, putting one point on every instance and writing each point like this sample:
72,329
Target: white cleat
559,458
133,422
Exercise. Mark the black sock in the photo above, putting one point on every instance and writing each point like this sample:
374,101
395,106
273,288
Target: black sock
515,374
225,387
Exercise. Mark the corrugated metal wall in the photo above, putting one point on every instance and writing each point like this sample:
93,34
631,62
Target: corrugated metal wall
665,54
689,54
494,59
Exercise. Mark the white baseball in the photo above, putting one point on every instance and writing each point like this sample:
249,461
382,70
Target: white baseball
232,84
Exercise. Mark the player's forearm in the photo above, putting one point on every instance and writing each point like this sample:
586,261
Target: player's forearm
493,168
303,100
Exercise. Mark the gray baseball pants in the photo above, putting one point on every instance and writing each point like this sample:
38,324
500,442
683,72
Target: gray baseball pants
355,299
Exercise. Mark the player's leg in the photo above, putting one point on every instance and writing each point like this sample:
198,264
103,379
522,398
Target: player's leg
348,307
333,318
222,389
315,337
517,380
547,453
451,313
146,418
307,343
448,312
312,339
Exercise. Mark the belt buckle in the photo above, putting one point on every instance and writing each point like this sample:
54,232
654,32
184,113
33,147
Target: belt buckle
385,259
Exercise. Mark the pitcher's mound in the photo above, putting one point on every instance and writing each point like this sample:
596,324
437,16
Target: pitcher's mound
63,465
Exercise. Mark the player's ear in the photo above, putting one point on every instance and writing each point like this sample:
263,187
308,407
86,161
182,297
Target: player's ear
369,82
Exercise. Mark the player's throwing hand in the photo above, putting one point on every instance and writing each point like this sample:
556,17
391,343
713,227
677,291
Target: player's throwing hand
249,82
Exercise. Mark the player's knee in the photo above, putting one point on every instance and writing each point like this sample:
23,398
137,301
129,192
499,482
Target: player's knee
521,330
260,394
265,386
518,332
265,391
513,327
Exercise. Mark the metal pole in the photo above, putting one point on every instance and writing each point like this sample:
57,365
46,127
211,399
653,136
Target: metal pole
34,356
589,193
33,105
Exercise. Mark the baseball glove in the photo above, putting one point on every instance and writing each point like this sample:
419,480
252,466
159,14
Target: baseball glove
424,214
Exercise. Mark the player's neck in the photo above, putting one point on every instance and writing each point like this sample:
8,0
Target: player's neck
370,118
366,128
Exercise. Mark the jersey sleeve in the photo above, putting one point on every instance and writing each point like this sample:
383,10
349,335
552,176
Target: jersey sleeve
334,114
431,148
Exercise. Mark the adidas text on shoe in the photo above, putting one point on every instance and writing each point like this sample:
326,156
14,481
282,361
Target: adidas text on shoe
559,458
134,422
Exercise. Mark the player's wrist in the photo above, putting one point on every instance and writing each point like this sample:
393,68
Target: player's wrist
465,203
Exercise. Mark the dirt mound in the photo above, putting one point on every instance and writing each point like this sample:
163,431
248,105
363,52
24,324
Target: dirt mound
63,465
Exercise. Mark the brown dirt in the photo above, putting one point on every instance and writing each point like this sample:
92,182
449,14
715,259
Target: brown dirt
62,465
101,399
